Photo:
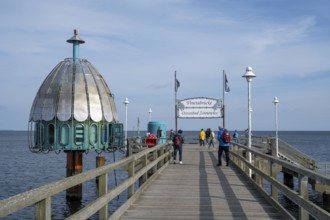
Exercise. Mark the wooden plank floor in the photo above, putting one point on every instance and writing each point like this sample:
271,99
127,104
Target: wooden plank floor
198,189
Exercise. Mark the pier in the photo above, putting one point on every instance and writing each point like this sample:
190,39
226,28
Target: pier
197,189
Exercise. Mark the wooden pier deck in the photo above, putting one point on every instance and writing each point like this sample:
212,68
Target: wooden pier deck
198,189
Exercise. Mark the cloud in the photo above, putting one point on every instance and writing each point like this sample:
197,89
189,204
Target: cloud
137,46
282,33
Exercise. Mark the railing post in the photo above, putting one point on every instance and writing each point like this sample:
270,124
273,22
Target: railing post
303,191
255,163
100,161
273,146
161,152
240,162
273,169
235,150
168,149
129,148
248,156
43,209
131,172
259,179
102,182
144,177
103,189
154,157
273,173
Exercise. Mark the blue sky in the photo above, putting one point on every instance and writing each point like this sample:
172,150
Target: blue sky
137,46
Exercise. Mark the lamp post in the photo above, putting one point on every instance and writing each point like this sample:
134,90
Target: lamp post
276,101
150,111
126,102
249,75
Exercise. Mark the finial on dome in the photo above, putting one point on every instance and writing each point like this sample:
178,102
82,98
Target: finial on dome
75,40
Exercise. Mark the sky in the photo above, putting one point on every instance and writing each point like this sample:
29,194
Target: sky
137,45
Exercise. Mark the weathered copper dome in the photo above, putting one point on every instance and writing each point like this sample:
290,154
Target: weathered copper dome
74,89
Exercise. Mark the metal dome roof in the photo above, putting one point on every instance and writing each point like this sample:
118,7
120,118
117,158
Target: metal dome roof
74,88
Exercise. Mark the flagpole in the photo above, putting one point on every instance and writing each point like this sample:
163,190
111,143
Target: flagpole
138,126
176,107
223,98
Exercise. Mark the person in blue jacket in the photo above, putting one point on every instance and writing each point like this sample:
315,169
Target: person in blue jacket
222,147
235,136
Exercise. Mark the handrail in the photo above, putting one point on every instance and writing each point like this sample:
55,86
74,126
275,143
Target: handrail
286,151
41,197
275,164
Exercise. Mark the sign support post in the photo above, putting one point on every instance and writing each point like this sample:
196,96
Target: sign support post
176,86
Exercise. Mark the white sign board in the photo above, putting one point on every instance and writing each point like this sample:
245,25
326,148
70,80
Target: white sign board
199,108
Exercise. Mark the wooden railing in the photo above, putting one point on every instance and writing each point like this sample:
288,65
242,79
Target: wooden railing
266,167
143,166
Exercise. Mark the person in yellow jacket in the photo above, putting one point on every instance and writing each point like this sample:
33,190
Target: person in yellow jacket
202,138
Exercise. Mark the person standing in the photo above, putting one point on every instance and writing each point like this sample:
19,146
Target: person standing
212,137
208,135
159,132
202,138
247,136
159,135
235,136
171,134
177,145
223,146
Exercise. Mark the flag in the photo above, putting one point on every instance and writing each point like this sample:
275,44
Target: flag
177,85
227,89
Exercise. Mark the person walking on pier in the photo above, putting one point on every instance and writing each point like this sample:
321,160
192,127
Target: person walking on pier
202,138
224,143
177,145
